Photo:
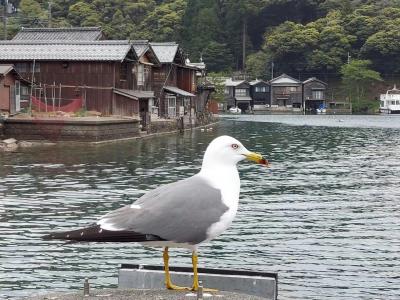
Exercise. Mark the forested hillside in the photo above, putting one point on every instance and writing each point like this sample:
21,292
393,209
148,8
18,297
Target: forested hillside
296,36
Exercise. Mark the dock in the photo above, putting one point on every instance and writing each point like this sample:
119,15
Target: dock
129,294
146,282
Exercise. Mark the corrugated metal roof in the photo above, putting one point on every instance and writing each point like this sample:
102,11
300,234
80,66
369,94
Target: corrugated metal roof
178,91
257,81
230,82
165,52
133,94
314,79
65,50
5,69
65,33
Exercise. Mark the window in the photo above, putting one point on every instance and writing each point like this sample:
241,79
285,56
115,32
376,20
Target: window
226,91
140,74
261,89
382,103
159,75
171,105
318,95
24,90
241,92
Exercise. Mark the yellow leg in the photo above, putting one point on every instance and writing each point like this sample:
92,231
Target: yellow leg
195,260
195,285
168,283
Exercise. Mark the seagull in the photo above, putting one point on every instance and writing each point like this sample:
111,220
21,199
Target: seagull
184,214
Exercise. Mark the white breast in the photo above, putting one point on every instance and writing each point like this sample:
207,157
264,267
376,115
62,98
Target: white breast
228,182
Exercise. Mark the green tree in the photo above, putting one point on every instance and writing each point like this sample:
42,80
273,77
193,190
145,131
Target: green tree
258,65
357,77
218,80
383,48
217,57
290,45
83,14
31,13
164,23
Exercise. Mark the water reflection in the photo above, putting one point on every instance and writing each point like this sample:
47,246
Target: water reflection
325,215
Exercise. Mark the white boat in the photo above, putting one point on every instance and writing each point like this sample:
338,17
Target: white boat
235,110
390,102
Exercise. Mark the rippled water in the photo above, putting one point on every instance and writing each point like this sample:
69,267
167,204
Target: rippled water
325,216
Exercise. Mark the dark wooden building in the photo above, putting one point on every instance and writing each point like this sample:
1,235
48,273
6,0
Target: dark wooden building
314,94
90,70
286,92
174,83
237,94
260,94
13,90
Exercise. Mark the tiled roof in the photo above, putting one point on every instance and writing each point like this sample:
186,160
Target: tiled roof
165,52
284,80
140,46
71,33
65,50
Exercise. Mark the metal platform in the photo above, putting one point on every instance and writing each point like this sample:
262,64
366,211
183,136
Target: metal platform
260,284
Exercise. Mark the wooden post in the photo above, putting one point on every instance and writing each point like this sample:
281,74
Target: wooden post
45,96
59,98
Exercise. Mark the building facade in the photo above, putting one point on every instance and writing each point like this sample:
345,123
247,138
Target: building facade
14,90
286,92
237,94
314,94
260,94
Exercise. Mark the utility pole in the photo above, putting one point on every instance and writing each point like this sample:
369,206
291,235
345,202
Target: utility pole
272,70
49,16
5,10
244,47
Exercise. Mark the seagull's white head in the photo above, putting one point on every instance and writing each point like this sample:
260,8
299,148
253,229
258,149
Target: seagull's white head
226,150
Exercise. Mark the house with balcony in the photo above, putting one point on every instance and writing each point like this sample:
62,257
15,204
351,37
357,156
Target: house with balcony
286,92
314,94
237,94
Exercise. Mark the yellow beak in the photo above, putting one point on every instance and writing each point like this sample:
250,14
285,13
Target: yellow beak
258,158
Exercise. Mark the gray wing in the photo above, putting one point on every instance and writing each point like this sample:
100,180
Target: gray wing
181,211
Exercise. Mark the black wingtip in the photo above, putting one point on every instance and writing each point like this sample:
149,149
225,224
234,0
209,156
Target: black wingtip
96,234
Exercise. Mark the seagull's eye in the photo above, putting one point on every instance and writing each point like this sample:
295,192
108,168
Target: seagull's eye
235,146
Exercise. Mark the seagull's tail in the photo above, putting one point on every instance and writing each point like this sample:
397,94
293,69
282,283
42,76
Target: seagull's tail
96,234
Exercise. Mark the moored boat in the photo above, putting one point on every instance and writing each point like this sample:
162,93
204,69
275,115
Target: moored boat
390,101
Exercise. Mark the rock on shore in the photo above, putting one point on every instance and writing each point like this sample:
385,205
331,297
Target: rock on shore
12,144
